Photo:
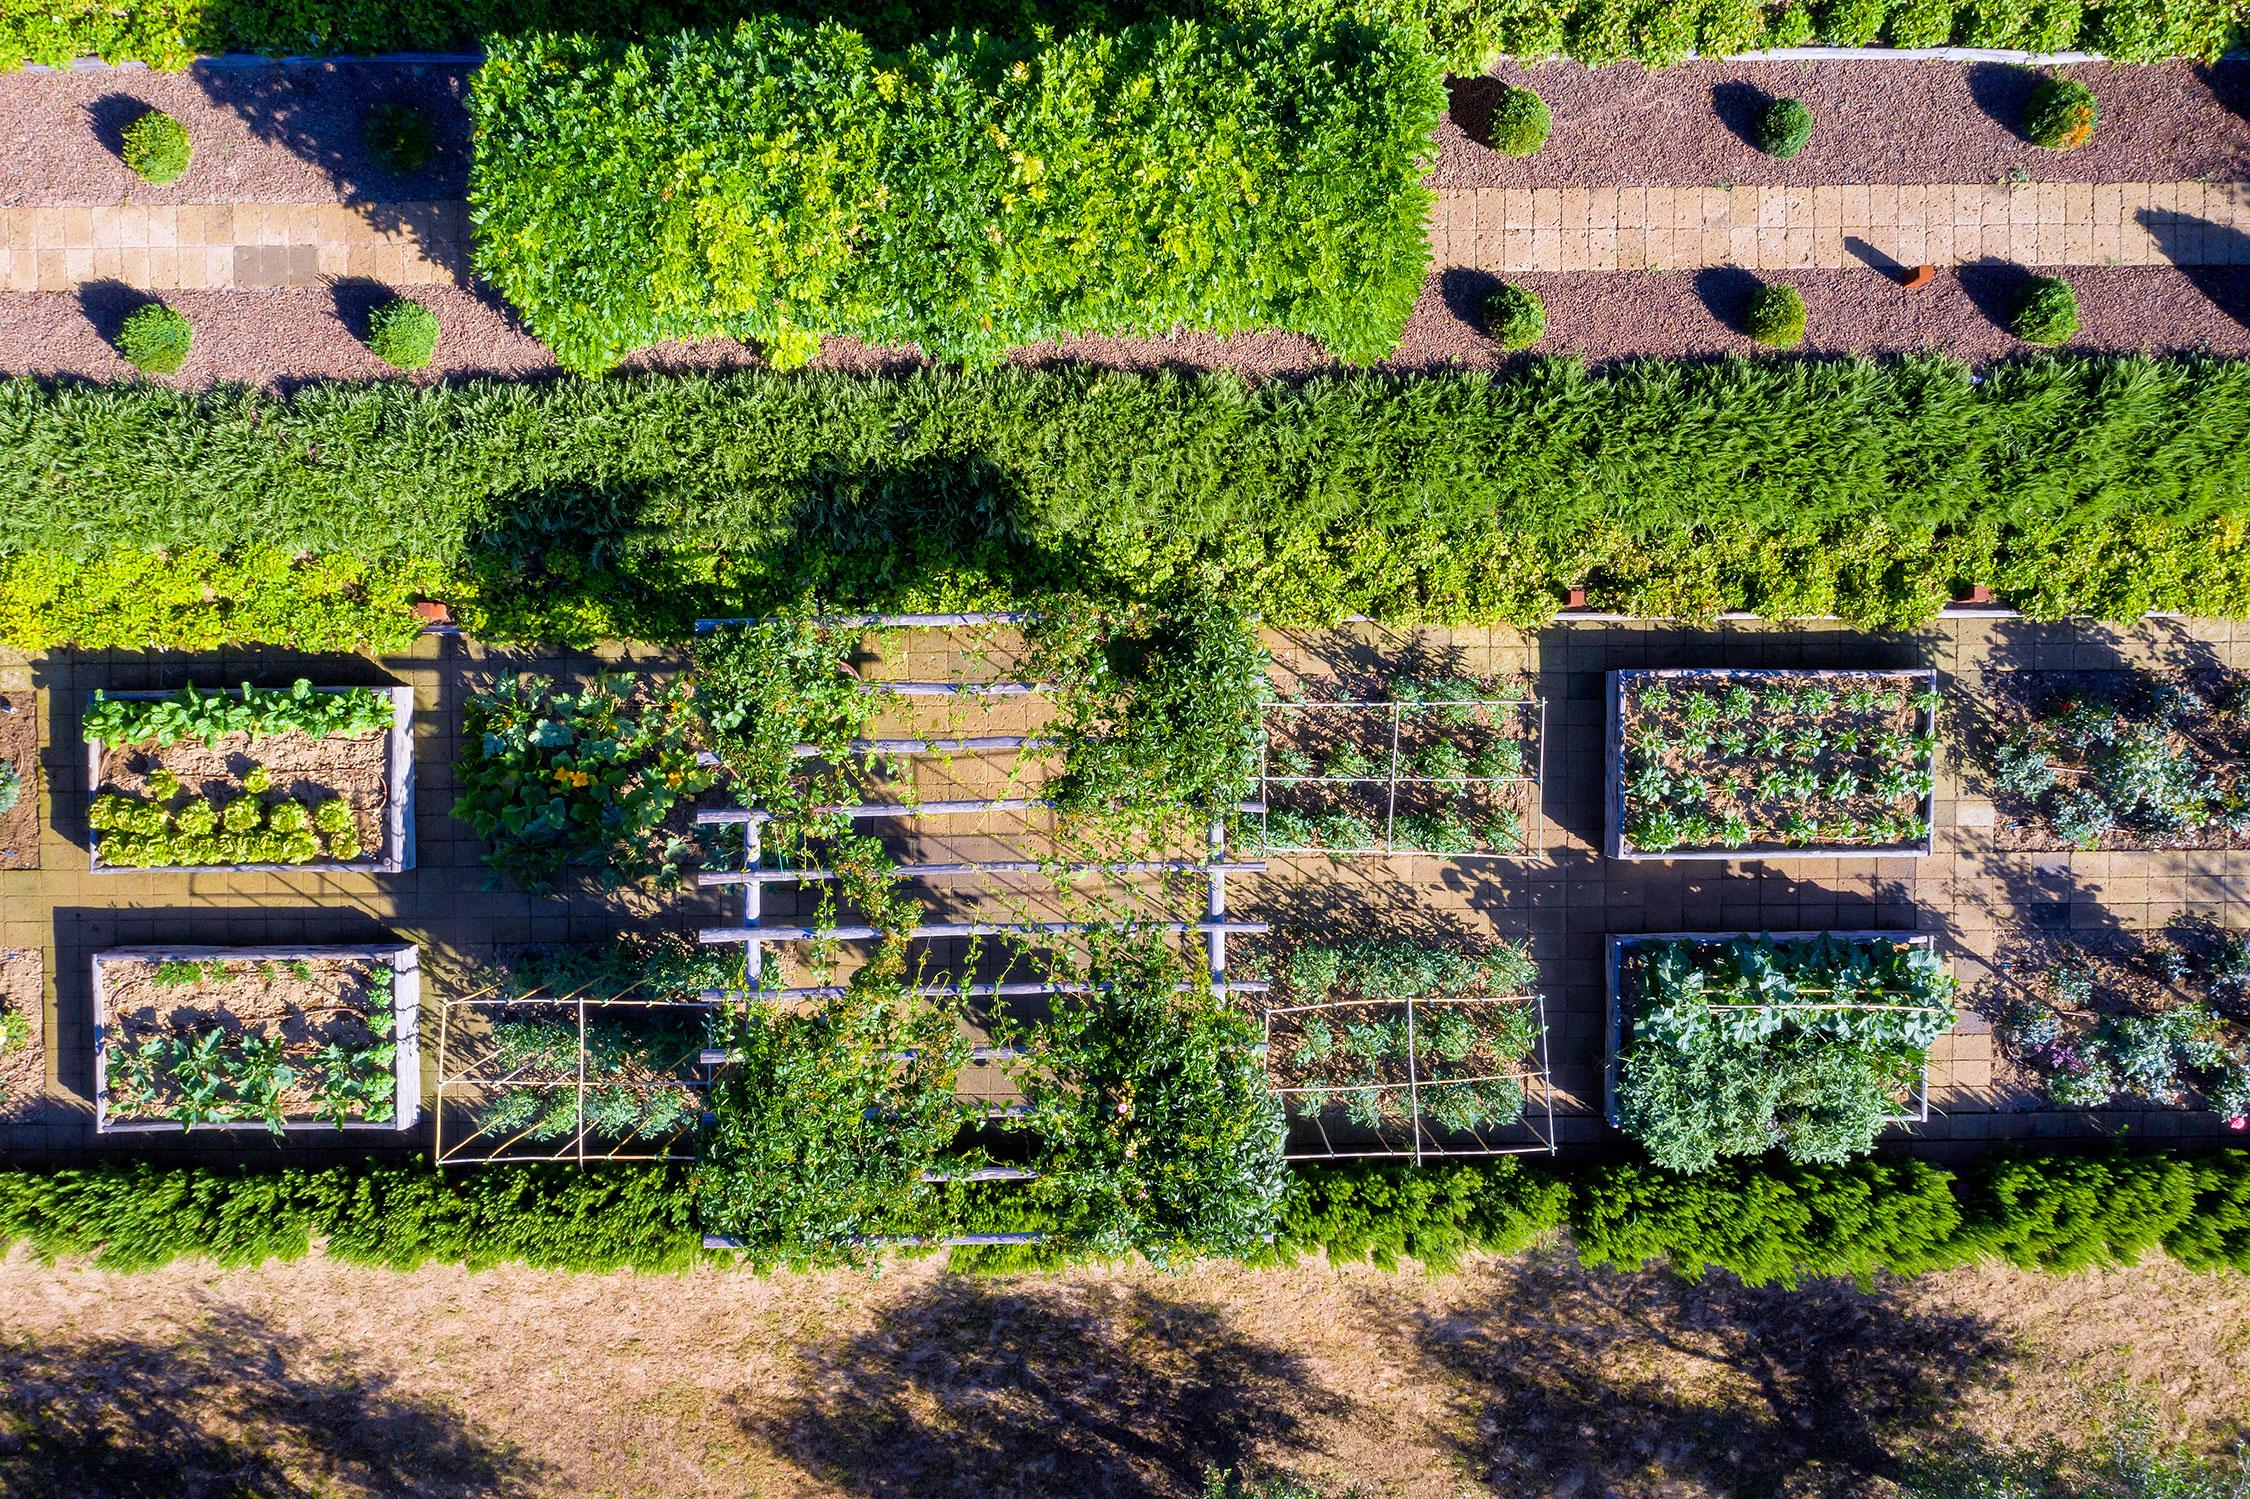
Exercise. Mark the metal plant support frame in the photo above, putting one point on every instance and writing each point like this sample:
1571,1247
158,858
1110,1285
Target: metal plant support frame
1391,781
754,932
1615,966
1425,1140
476,1147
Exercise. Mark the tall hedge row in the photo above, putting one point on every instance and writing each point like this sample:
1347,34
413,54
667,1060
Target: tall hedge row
1468,34
779,183
1763,1221
2104,486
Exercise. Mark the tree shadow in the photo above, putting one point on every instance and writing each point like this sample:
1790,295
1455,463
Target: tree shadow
1739,107
1995,288
1596,1382
106,305
981,1387
2003,91
2229,83
2191,245
1725,291
236,1407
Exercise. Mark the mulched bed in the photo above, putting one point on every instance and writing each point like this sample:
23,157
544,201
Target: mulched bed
1881,122
19,746
23,1069
281,338
261,135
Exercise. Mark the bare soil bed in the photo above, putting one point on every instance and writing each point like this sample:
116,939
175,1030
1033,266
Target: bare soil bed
312,1006
279,134
19,747
1873,122
1524,1376
23,1062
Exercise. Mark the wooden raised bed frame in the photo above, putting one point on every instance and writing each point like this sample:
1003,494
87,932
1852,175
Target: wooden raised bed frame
1915,679
406,999
396,855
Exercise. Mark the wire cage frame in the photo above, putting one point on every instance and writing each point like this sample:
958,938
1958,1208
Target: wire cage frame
476,1083
1919,1098
1392,714
1425,1142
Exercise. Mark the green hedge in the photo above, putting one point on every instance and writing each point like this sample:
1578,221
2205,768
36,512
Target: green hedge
627,507
1468,34
1762,1221
967,195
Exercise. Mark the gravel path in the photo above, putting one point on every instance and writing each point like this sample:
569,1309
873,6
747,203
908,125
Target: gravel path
261,135
284,337
1888,122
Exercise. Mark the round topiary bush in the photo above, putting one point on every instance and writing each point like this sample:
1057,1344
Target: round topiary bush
155,339
2047,312
156,146
403,334
399,137
1784,128
1777,317
2061,115
1515,318
1520,122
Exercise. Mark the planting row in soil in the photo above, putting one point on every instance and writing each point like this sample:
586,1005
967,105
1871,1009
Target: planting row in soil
23,1041
1447,766
1766,764
19,782
2119,760
252,779
256,1038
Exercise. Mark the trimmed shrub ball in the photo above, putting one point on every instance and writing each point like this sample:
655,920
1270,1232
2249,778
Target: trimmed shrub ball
403,334
1520,122
1777,317
1515,318
156,147
2061,115
1784,128
2047,313
155,339
399,137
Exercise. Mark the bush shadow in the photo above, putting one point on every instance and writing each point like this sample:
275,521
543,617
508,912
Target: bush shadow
1121,1391
2192,245
1469,103
356,298
1996,288
2003,92
1464,292
106,305
1725,292
1739,107
1598,1382
236,1406
110,115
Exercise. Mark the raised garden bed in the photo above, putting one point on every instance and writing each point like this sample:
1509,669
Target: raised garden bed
562,1079
19,781
1729,1043
1394,1048
273,1038
253,779
1441,766
2119,760
1771,764
2109,1020
23,1035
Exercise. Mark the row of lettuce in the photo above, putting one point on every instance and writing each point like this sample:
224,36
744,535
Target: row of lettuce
141,518
1467,35
1761,1221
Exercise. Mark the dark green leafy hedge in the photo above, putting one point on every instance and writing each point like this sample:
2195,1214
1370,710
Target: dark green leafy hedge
626,508
968,195
1468,34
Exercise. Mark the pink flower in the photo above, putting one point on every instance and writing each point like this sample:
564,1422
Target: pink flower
2238,1122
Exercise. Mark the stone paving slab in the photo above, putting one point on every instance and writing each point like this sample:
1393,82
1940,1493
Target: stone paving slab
196,246
1513,230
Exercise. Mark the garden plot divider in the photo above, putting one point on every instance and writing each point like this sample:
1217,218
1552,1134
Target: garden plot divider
404,962
1911,684
1389,716
396,854
1614,966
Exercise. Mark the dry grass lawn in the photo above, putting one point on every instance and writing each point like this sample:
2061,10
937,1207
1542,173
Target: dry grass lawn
1518,1377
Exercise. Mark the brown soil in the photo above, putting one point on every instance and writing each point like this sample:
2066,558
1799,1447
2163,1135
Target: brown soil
2220,742
1524,1376
1876,122
303,768
23,1069
255,997
1729,781
260,135
19,746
